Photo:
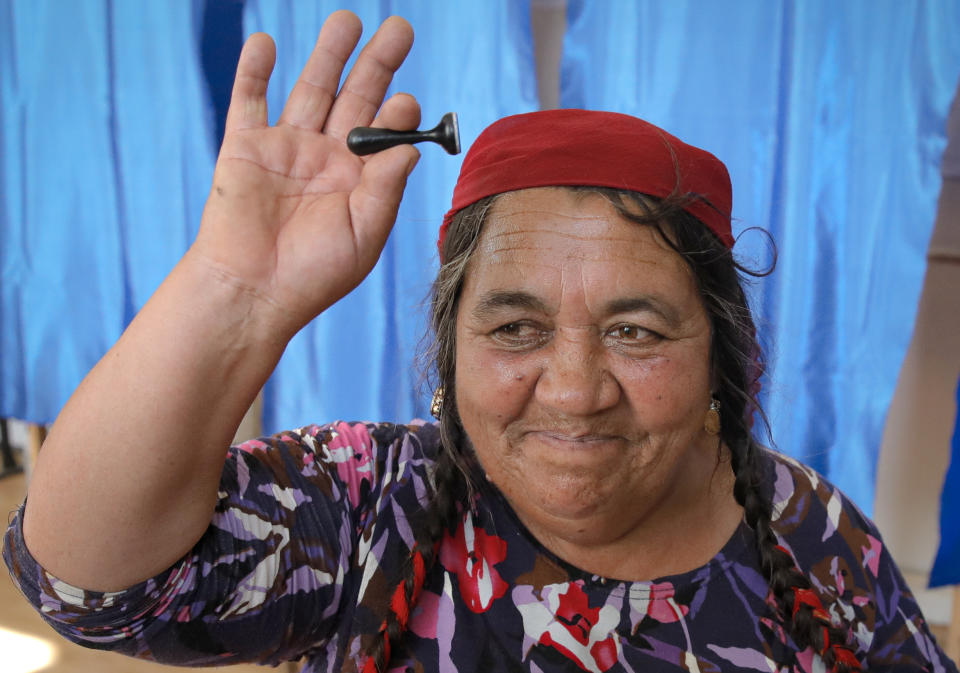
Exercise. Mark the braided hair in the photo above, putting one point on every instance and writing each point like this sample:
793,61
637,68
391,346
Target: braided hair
452,476
737,365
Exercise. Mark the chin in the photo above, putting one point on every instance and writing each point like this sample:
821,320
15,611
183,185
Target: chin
566,502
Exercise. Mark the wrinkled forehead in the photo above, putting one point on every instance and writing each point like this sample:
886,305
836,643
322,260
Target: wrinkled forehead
543,221
551,234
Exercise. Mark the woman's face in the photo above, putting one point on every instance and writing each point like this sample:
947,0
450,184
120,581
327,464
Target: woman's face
583,367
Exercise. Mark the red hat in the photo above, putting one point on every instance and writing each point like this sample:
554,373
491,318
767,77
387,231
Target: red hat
595,149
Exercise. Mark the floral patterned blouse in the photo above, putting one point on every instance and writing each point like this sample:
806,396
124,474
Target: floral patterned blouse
313,528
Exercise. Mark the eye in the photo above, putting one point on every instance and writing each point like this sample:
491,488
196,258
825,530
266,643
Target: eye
631,334
519,334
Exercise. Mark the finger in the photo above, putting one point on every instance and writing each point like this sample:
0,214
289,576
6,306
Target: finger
316,88
401,112
248,102
376,198
361,95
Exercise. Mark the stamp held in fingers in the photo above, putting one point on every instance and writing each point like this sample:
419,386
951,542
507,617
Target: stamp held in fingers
366,140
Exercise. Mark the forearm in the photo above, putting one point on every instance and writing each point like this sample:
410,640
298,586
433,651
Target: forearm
127,479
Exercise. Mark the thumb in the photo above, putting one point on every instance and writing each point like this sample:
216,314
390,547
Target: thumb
376,198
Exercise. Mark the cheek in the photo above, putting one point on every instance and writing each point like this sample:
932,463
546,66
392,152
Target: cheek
665,389
491,385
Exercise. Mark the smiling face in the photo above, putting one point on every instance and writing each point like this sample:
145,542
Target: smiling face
583,371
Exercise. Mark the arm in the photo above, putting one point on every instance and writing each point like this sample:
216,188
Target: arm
126,482
302,518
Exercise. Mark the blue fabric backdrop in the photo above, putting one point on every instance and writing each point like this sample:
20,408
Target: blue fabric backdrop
110,121
831,118
354,361
105,161
829,115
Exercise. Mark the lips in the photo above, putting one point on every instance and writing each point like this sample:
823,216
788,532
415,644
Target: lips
560,447
580,440
573,438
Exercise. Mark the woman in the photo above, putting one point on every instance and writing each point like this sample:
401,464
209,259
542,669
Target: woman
591,499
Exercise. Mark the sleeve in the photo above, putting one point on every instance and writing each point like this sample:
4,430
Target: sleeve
902,640
300,520
854,573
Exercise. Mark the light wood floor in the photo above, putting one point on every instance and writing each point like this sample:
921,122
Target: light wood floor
18,616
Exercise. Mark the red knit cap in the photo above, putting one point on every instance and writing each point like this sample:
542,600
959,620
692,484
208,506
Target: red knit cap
595,149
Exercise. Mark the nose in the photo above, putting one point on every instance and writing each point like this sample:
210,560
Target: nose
575,379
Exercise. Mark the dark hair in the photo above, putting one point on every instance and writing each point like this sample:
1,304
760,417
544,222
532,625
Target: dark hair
737,364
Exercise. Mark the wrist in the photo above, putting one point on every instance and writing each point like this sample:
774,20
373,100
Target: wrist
234,302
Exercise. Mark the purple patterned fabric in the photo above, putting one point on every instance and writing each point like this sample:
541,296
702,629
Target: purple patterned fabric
313,528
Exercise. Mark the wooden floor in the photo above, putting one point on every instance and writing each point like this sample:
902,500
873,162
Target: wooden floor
18,616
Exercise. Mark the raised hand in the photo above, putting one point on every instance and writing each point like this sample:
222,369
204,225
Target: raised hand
293,217
293,222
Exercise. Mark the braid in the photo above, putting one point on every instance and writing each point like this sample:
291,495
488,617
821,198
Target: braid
799,606
453,486
738,365
737,361
439,517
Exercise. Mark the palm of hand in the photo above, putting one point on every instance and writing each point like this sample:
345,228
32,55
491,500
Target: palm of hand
295,218
280,215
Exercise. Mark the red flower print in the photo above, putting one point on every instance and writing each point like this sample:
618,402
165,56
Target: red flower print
579,619
472,554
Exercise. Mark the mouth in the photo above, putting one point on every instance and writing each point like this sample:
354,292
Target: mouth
567,437
574,440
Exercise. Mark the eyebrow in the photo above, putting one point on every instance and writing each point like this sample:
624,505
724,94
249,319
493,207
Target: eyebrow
493,301
496,300
643,303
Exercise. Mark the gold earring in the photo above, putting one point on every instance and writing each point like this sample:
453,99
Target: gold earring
711,422
436,404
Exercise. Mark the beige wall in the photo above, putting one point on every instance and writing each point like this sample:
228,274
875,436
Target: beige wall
548,19
916,440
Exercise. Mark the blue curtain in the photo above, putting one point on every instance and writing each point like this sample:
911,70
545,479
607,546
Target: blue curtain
111,114
355,361
831,119
105,160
